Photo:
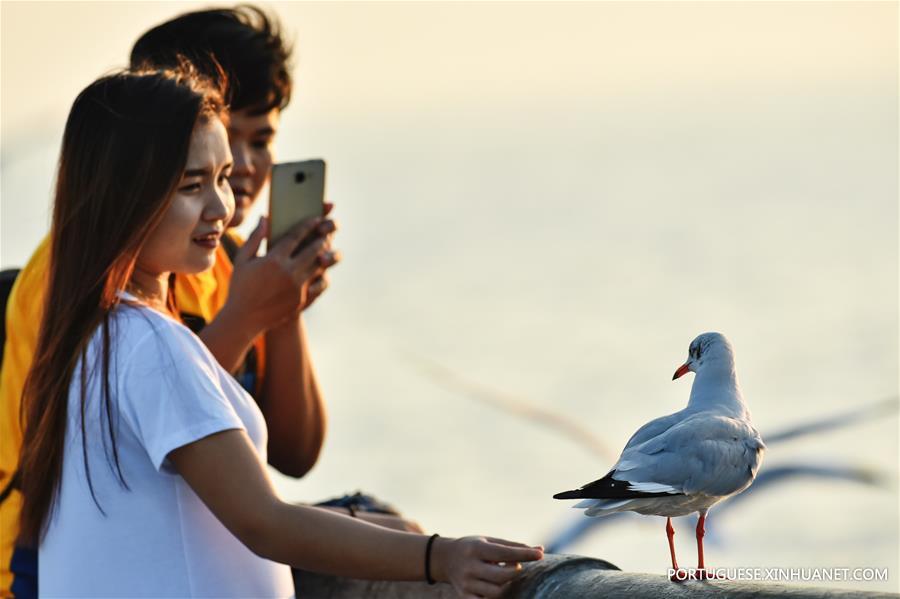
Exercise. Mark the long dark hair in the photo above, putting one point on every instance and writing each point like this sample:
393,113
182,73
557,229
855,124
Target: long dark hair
124,150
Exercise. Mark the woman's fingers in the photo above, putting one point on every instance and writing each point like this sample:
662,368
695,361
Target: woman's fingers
482,588
494,552
497,574
509,543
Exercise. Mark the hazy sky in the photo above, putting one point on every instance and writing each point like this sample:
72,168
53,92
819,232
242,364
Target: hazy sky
395,55
383,60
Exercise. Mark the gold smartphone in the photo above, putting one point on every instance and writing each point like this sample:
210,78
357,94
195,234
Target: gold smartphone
297,192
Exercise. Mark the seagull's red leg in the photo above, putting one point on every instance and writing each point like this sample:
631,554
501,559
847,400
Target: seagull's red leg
702,574
701,530
670,533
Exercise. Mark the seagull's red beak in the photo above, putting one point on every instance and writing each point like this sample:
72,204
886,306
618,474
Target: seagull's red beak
682,370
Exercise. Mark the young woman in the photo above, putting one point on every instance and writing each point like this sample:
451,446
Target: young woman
142,463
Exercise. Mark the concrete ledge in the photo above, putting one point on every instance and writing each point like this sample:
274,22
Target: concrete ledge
564,576
552,569
556,578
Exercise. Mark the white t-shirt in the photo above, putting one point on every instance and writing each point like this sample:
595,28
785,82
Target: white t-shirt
157,538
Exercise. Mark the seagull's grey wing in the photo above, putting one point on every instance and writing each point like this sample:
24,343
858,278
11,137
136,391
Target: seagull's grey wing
704,453
655,428
613,486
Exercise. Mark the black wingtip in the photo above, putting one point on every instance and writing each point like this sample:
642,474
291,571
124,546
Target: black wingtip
568,495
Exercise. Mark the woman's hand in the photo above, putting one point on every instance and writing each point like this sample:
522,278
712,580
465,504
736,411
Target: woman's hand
480,566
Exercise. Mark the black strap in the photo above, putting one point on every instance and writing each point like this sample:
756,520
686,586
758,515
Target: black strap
194,322
7,279
428,545
14,483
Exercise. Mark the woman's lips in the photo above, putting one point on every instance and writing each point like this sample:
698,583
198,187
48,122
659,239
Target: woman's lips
210,244
210,241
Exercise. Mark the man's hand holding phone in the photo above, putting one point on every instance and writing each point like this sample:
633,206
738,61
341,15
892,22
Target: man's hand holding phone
271,289
320,282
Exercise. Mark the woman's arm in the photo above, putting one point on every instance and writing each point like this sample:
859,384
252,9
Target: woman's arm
225,472
385,520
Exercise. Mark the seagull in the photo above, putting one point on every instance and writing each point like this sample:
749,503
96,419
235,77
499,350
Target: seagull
687,461
772,477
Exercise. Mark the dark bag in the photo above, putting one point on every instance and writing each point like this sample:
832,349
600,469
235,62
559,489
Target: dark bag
7,278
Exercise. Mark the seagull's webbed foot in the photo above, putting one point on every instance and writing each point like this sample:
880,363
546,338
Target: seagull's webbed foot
680,575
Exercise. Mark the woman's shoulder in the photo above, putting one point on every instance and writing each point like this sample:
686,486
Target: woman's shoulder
139,329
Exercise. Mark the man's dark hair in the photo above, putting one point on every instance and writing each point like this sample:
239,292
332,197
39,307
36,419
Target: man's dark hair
243,43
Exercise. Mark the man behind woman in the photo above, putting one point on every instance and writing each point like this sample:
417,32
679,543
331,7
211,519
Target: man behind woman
130,416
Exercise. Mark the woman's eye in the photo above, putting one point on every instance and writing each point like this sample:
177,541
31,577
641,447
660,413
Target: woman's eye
190,188
260,144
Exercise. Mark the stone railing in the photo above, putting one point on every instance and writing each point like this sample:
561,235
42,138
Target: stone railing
564,576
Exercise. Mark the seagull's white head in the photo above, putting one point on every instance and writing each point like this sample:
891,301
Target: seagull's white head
709,350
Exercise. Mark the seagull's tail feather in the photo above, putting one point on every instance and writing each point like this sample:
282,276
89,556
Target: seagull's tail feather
600,505
604,507
619,488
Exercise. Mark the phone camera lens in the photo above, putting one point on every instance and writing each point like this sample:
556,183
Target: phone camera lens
300,177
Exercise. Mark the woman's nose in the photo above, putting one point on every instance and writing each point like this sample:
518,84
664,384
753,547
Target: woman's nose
220,205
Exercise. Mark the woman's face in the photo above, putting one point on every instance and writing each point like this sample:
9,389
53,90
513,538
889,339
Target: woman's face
188,235
251,137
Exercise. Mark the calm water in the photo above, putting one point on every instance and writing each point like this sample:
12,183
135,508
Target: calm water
564,249
571,269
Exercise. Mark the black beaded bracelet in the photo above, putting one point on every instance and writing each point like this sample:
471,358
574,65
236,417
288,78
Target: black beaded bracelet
428,558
